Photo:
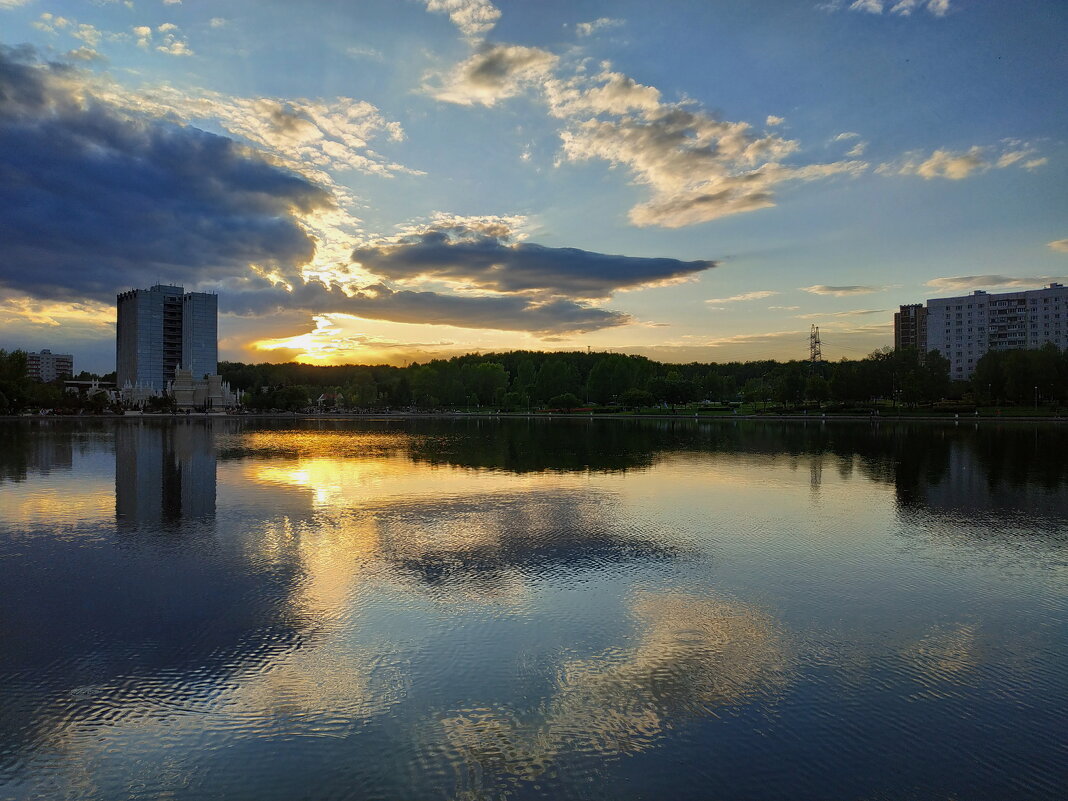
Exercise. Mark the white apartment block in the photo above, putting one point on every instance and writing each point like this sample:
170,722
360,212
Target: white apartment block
48,366
964,328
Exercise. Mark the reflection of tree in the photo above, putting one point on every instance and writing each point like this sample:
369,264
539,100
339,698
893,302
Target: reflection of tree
695,656
912,457
531,445
38,446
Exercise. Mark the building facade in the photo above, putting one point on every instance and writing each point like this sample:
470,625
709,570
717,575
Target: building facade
48,366
910,327
964,328
161,329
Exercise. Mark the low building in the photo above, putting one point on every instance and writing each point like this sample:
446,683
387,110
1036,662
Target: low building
47,366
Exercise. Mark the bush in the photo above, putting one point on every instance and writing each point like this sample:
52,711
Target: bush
564,402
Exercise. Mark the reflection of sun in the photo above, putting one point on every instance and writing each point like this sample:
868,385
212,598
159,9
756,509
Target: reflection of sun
77,502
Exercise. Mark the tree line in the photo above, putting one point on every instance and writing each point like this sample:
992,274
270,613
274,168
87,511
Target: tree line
524,380
518,380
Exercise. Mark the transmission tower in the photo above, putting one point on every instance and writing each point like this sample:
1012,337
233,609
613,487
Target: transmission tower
815,353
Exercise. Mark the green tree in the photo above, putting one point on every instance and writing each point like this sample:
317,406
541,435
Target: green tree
483,380
636,398
556,377
565,401
817,388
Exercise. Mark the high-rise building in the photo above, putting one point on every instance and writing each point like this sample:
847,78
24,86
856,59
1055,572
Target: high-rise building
48,366
964,328
910,328
161,329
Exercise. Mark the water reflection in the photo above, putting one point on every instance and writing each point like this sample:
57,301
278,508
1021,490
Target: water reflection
529,608
164,472
694,657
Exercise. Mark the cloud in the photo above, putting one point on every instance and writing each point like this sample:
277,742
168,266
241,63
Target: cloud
97,196
958,165
493,73
94,199
330,341
474,18
308,135
960,282
696,167
13,3
901,8
853,313
490,260
174,43
51,314
91,35
358,51
380,302
746,339
773,120
589,28
783,308
610,93
144,36
758,295
841,291
218,22
84,54
1060,245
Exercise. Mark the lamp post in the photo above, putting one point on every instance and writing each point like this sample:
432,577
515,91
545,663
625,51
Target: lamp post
1036,400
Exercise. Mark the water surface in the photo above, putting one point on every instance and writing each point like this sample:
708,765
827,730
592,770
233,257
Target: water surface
417,609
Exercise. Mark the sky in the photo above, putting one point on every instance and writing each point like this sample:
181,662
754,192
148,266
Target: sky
388,181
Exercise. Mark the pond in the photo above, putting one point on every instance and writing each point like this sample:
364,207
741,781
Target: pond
467,609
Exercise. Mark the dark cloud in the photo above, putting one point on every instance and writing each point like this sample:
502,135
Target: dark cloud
94,199
379,302
490,261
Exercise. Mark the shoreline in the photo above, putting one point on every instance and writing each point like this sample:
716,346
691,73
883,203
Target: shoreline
377,416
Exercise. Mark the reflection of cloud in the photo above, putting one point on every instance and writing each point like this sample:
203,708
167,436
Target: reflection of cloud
945,655
694,656
481,536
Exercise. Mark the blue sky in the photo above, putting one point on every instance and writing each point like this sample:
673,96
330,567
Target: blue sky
394,180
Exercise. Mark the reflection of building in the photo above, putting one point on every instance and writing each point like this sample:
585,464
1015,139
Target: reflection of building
981,485
164,328
48,366
164,472
910,328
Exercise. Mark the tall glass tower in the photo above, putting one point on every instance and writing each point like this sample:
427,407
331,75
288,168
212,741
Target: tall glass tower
163,328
